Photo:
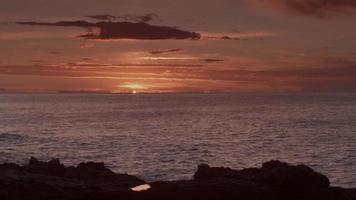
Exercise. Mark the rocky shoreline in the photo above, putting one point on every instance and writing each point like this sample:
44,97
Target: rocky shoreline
275,180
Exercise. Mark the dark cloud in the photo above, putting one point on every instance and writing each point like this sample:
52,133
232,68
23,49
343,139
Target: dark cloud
78,23
313,7
337,61
55,52
223,38
102,17
86,59
37,61
131,18
85,91
87,64
260,35
147,18
229,38
212,60
123,30
138,18
165,51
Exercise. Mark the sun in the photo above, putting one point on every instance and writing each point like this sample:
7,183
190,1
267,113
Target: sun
135,88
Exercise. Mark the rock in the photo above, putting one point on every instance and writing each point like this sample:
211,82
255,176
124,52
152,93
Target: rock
275,180
282,174
51,168
272,173
94,171
90,173
97,173
10,166
205,172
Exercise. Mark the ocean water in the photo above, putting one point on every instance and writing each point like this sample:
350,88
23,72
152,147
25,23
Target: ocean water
165,136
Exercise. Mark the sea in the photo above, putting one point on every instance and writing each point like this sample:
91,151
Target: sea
165,136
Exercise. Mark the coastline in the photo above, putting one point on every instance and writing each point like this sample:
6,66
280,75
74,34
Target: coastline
274,180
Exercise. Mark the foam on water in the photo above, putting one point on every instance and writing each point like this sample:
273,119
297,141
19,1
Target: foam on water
164,137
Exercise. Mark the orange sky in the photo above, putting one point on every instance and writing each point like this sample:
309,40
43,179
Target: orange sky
178,46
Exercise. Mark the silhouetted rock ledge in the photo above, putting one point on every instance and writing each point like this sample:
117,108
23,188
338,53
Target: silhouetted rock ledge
275,180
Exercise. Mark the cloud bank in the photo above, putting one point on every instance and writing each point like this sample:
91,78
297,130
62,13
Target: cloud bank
123,30
312,7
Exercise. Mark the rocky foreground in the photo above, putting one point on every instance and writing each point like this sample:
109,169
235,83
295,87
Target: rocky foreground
93,181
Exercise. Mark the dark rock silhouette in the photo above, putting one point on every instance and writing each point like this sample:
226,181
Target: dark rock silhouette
51,168
85,174
272,173
274,181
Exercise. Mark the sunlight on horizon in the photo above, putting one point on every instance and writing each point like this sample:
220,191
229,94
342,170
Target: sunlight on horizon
134,86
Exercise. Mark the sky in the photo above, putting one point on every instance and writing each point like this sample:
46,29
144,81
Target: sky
123,46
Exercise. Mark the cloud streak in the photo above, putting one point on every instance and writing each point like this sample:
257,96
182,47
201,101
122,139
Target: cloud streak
165,51
213,60
238,35
296,79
